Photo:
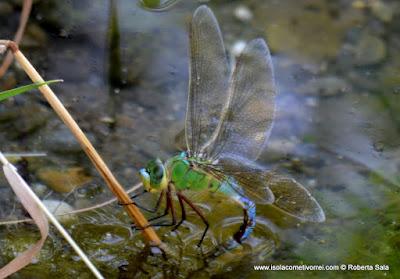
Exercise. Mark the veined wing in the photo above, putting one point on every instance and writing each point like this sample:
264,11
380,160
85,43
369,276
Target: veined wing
209,75
294,199
248,115
252,181
265,187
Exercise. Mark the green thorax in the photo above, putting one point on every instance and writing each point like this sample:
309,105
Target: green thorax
184,174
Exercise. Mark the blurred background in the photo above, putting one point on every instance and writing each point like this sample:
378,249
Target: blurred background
125,71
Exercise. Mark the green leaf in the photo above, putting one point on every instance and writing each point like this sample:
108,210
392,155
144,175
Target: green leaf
13,92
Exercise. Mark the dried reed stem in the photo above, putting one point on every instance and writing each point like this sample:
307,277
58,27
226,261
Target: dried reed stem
111,181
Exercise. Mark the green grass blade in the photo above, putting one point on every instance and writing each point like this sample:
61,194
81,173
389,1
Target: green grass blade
16,91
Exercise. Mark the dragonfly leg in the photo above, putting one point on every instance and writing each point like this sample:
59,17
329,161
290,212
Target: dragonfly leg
183,212
198,211
172,205
151,210
155,209
169,207
138,195
133,197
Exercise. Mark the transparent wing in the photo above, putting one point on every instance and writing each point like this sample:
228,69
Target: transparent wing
294,199
209,75
247,117
180,141
252,180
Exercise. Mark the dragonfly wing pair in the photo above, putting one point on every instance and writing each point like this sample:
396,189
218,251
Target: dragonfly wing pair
229,115
266,187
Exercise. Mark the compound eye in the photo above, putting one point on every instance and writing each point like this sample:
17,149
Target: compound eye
158,171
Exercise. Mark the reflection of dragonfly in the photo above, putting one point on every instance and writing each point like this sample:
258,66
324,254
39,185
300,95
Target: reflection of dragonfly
228,121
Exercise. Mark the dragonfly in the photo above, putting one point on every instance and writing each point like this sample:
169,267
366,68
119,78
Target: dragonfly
229,119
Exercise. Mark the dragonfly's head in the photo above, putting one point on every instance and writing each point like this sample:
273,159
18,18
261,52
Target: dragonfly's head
154,177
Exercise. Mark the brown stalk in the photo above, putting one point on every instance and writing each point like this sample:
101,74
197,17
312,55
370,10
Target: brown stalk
90,151
26,10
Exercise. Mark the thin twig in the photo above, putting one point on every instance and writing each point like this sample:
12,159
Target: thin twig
26,10
27,154
77,211
90,151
